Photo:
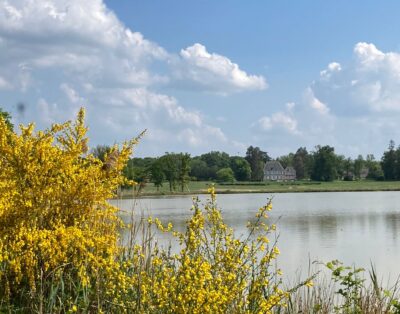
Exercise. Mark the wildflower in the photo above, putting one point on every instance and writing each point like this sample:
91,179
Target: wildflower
309,284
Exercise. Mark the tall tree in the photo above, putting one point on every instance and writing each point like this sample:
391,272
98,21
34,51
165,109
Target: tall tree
348,168
157,174
183,169
389,162
324,168
301,163
215,161
199,169
170,169
344,167
286,160
359,164
397,164
374,168
241,168
256,158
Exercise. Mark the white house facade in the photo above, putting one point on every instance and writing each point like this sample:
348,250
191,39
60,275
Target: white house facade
273,171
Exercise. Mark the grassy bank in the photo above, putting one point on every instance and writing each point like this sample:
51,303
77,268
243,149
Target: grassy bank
200,187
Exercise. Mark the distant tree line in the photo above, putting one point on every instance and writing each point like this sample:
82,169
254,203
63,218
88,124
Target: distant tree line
322,164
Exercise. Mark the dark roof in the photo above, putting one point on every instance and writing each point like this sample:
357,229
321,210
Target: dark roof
273,166
290,169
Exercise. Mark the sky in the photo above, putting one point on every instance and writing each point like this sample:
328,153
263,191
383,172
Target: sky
207,75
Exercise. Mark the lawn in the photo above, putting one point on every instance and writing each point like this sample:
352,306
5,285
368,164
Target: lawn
199,187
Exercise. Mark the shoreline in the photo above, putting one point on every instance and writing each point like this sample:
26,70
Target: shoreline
128,195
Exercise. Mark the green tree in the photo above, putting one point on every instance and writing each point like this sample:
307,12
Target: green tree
286,160
225,175
348,167
199,169
183,169
344,169
359,164
324,168
215,161
157,174
301,163
241,168
389,162
397,164
375,171
7,118
100,151
138,169
170,169
256,158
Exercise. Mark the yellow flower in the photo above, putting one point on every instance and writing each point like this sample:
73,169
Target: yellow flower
309,284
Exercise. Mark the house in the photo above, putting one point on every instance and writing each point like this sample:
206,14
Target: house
273,171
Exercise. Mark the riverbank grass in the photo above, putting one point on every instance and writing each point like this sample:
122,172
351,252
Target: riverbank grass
201,187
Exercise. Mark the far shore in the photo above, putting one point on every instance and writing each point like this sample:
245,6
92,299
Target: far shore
201,187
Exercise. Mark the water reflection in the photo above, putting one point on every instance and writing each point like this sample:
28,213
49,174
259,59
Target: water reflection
355,227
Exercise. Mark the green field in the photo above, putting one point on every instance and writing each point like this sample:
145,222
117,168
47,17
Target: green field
200,187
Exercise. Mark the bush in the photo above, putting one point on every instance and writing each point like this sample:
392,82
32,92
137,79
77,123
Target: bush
60,249
56,227
225,175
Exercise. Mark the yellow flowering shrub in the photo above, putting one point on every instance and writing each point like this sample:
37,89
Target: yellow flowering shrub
54,215
60,249
214,272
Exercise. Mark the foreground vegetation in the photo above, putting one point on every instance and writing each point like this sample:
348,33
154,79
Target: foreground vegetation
61,250
201,187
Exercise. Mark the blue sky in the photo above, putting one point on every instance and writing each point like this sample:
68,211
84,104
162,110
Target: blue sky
208,75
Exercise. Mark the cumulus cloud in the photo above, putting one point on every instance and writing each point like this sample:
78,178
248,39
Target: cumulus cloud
214,72
332,68
72,95
4,84
280,120
80,38
370,83
315,103
364,102
59,55
202,136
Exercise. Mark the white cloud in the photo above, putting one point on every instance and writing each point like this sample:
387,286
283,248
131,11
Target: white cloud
207,136
368,55
214,72
83,39
370,83
280,120
290,106
364,103
58,55
72,95
315,103
332,67
47,111
4,84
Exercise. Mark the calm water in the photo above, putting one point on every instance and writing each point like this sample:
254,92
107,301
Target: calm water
354,227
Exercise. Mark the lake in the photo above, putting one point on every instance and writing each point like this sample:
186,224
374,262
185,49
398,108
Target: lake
354,227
